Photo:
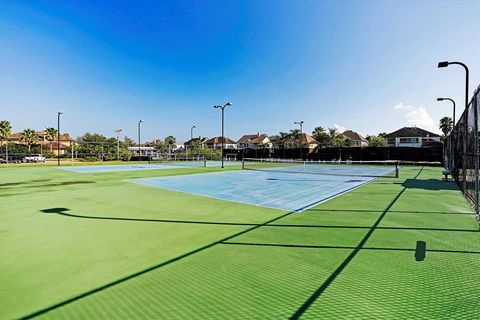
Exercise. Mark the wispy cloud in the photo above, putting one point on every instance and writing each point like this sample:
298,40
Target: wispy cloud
339,128
401,105
417,116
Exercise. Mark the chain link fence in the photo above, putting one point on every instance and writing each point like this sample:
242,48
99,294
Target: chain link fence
461,152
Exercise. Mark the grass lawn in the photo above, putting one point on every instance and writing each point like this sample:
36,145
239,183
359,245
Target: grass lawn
92,246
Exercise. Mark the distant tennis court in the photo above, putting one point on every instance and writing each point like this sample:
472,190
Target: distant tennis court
275,185
146,166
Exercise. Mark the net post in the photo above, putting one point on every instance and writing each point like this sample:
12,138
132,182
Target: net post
204,162
397,173
243,163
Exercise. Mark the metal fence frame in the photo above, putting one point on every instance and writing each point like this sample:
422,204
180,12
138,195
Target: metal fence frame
461,152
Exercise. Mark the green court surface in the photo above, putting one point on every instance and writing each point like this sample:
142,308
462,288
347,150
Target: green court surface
92,246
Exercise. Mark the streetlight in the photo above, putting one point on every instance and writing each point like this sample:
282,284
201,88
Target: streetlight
453,129
301,132
223,134
117,131
445,64
191,132
139,150
58,137
301,126
443,99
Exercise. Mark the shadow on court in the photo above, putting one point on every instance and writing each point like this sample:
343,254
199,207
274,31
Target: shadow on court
429,184
64,212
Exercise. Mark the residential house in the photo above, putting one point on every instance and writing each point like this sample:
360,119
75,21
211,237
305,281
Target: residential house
412,137
304,141
356,139
254,141
63,144
216,143
143,151
194,141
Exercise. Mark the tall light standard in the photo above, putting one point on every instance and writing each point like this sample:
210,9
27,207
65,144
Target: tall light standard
191,132
445,64
117,132
301,135
58,137
443,99
139,149
453,129
223,133
300,123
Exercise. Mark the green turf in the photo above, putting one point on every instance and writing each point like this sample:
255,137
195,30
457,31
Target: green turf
91,246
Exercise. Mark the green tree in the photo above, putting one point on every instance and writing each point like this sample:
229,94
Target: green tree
5,130
170,141
276,140
376,141
30,137
446,125
50,135
334,140
321,135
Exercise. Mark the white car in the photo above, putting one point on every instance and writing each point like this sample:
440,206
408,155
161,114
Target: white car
35,158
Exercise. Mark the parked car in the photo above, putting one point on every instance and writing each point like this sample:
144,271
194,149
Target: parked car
35,158
12,159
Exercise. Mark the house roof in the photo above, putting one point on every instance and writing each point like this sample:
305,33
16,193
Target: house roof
352,135
202,139
411,132
254,138
305,138
41,134
216,140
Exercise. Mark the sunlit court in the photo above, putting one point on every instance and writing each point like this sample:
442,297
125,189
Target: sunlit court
239,159
97,245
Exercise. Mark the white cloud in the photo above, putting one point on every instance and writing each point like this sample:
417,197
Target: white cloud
418,117
339,128
401,105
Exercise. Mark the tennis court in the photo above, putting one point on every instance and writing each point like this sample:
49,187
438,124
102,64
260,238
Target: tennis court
145,166
99,247
278,190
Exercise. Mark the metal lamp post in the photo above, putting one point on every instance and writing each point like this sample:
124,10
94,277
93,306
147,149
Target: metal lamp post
445,64
58,137
453,129
139,149
223,133
301,126
191,132
117,132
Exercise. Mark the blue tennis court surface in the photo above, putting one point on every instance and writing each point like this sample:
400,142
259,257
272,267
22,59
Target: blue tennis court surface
134,167
273,189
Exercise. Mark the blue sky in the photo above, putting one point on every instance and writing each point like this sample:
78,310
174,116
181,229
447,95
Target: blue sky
368,66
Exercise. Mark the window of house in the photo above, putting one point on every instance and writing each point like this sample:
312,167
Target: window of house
408,140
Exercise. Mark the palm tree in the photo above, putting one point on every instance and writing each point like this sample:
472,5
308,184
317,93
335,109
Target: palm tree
5,130
296,135
50,135
29,136
320,135
446,125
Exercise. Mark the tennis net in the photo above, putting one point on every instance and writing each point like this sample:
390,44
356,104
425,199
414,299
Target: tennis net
338,168
198,161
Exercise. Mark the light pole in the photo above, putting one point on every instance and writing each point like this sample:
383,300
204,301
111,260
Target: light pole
223,133
445,64
58,137
301,135
301,126
453,128
191,132
443,99
139,149
117,132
